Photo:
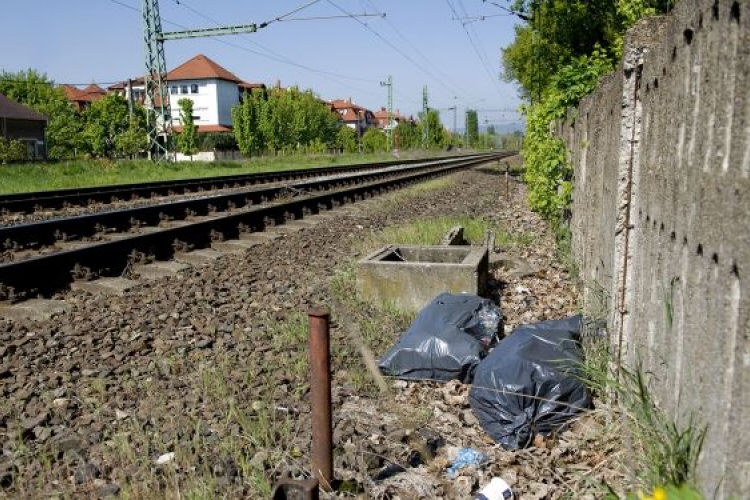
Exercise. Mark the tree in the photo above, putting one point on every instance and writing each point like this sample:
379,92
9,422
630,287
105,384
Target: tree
558,31
104,121
472,128
187,141
284,119
409,135
314,122
557,59
436,133
35,90
374,140
133,140
276,121
246,118
346,139
219,141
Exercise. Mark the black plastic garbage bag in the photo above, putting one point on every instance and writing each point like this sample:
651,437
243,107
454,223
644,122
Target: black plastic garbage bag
446,341
529,384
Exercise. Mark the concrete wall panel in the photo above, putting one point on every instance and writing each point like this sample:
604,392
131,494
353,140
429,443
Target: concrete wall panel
661,222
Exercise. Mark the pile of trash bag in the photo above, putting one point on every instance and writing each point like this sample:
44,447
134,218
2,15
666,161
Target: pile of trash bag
447,340
530,383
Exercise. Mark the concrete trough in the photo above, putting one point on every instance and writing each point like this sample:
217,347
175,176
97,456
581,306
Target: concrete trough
409,277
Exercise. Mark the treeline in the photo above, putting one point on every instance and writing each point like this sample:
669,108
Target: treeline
557,58
291,120
265,122
106,128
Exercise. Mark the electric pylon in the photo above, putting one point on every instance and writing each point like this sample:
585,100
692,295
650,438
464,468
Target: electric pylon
389,125
425,109
158,118
158,112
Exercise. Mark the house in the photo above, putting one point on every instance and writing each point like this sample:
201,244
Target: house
82,98
21,123
213,89
354,116
382,118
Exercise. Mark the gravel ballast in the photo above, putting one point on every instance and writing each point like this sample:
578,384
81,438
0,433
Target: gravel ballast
196,384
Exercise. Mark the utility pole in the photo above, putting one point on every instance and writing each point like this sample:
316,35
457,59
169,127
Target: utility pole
425,109
360,127
455,112
131,104
389,126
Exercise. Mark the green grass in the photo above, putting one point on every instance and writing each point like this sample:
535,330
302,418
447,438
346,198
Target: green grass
662,451
432,231
84,173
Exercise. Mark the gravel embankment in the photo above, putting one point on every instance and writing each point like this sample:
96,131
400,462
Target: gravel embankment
211,366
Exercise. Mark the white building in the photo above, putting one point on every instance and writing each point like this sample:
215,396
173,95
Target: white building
213,89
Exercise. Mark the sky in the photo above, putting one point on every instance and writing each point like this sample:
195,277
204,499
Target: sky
450,46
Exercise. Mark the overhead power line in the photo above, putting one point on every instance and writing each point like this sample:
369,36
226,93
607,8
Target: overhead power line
394,47
273,55
452,87
480,56
54,82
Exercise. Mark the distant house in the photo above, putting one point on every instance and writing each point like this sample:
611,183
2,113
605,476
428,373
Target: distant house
212,88
82,98
353,115
21,123
382,118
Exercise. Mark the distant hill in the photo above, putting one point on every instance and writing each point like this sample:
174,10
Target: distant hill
504,128
507,128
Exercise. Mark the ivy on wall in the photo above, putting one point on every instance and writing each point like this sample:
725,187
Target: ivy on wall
549,174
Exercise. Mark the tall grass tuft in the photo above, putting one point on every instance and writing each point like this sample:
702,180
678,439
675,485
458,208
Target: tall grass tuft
663,451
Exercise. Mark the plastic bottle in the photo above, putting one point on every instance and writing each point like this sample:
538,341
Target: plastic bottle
497,489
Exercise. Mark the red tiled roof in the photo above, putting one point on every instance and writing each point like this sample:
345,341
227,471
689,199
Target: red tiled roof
204,129
201,66
14,110
89,94
348,111
94,89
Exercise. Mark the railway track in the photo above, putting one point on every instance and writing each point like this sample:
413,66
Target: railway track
106,244
24,203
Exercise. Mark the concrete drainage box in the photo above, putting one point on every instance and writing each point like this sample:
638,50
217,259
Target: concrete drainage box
409,277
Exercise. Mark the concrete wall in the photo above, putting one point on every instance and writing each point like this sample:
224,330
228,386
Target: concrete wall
661,220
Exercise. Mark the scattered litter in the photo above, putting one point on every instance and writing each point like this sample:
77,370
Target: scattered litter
497,489
165,459
530,384
466,457
389,470
413,460
522,290
446,341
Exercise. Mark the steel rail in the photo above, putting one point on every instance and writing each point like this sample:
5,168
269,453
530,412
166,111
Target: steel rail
47,274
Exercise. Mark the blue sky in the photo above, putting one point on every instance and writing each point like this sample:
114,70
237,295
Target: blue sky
84,41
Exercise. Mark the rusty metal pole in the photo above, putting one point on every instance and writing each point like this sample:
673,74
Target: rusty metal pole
320,397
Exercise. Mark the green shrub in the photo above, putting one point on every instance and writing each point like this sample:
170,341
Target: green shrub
219,141
12,150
